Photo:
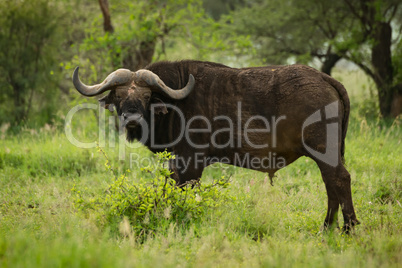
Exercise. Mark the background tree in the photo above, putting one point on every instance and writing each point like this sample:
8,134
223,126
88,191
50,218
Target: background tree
42,41
27,59
377,22
365,32
131,41
141,32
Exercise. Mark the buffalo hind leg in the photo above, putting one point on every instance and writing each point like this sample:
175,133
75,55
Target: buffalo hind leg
337,183
331,220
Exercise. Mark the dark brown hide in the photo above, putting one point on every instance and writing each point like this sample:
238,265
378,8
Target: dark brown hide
292,93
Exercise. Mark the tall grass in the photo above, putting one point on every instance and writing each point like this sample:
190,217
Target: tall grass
274,226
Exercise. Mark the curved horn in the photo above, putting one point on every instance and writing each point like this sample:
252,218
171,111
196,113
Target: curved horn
153,80
119,77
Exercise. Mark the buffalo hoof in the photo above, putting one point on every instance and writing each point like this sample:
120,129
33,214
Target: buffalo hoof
347,228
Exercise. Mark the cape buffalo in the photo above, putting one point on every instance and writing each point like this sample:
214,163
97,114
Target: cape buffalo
262,118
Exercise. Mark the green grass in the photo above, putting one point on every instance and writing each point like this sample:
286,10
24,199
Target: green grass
273,226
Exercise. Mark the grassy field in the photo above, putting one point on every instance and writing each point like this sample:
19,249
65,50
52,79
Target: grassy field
273,226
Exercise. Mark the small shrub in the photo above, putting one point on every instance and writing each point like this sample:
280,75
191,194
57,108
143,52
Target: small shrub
153,205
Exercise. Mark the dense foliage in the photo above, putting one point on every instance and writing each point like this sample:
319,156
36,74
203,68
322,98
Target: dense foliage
150,206
28,44
42,41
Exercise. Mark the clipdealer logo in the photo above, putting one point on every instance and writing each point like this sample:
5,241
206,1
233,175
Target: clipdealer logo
238,130
331,155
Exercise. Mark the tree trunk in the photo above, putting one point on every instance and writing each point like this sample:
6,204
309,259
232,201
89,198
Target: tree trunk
107,22
382,64
19,114
133,59
329,63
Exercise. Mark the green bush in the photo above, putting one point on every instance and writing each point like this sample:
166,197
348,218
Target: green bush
152,206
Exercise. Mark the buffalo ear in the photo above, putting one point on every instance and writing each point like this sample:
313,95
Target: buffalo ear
158,106
105,103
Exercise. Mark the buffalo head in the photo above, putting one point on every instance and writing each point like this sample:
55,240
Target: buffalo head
132,93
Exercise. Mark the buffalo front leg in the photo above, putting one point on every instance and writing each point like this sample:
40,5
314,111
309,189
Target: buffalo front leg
185,170
337,183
